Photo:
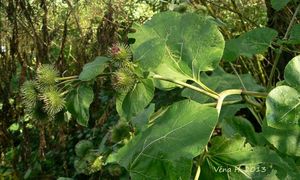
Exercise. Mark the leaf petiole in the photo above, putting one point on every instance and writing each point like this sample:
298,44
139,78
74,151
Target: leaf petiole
202,91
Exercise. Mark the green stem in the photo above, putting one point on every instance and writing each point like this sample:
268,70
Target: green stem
281,47
252,102
229,92
257,116
197,173
67,81
186,85
65,92
224,103
255,94
248,99
200,161
256,104
218,96
224,94
66,78
203,86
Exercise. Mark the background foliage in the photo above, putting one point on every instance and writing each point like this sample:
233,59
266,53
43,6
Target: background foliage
77,36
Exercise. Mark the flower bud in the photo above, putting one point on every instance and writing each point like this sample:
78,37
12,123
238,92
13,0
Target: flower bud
120,52
123,80
29,94
96,165
120,131
46,75
53,100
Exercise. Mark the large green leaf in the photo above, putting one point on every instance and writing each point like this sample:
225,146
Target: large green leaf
178,45
250,43
165,149
283,107
283,102
279,4
234,159
141,120
292,73
78,103
94,68
282,127
295,35
238,125
132,103
285,140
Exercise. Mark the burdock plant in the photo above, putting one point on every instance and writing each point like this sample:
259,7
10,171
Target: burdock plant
120,131
42,97
53,100
123,80
47,75
120,52
29,94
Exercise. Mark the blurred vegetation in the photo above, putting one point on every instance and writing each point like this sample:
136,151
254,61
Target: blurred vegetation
71,33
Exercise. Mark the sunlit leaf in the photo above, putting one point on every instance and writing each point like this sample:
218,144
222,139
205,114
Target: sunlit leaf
250,43
94,68
282,126
133,102
165,149
178,45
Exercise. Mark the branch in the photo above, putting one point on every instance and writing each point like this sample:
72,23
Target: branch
223,95
229,92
